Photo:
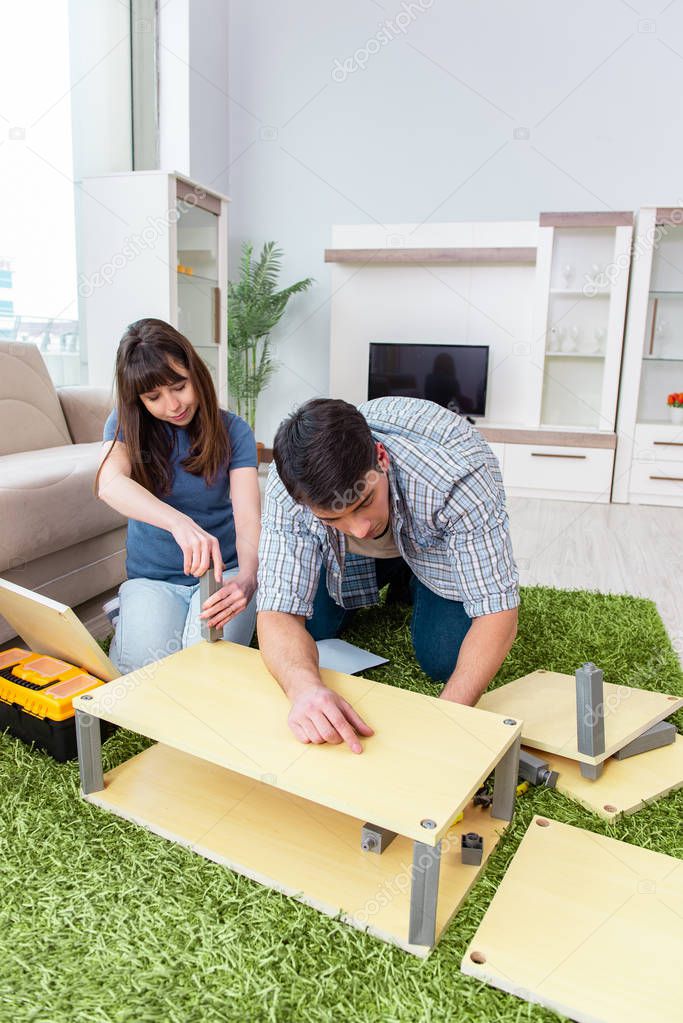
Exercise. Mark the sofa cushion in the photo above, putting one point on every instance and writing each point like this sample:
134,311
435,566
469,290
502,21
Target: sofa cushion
31,416
86,410
47,502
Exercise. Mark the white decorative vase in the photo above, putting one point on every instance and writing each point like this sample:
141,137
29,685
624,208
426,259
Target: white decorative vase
676,413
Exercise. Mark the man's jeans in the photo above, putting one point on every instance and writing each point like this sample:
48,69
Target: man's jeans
158,618
437,628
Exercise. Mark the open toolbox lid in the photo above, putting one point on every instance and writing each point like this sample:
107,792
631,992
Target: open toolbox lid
48,627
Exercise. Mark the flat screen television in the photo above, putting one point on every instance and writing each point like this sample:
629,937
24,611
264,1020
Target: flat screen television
454,376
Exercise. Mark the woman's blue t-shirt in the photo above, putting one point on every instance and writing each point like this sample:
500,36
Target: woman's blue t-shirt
151,552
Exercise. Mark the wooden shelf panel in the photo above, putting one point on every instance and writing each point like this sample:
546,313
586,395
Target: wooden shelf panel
218,701
585,925
287,843
624,785
515,435
511,254
545,702
550,438
600,219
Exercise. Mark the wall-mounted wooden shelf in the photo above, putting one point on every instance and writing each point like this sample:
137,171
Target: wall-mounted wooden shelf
505,435
474,255
672,216
552,438
574,219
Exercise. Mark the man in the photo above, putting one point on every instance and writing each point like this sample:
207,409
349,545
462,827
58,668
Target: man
353,497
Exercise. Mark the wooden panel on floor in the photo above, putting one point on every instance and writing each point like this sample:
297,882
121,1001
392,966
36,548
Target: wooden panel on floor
624,785
288,843
218,701
545,701
587,926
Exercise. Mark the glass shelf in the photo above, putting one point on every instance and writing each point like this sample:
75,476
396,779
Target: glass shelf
197,277
676,294
663,358
573,355
581,293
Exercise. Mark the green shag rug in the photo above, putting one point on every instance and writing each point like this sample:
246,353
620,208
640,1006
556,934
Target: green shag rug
102,921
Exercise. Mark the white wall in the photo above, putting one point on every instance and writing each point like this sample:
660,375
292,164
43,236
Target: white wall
194,107
487,111
99,54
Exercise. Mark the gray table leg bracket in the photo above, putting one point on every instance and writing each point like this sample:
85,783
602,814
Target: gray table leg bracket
535,770
375,839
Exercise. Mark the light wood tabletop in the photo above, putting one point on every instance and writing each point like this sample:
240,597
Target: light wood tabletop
218,701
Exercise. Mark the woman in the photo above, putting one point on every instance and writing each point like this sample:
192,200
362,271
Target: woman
184,473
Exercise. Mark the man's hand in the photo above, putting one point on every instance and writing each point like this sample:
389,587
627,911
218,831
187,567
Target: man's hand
227,602
320,715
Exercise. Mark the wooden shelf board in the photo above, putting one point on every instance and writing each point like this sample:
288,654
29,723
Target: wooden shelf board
545,702
511,254
515,435
669,215
288,843
585,925
552,438
624,785
599,219
219,702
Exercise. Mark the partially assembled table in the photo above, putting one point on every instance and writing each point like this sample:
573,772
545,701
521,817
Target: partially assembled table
228,780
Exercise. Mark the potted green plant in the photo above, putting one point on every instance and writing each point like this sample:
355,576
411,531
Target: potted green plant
255,306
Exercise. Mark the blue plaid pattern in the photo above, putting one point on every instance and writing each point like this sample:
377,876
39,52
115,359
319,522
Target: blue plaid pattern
447,506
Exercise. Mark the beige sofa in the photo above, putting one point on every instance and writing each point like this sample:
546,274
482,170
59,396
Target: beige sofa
57,537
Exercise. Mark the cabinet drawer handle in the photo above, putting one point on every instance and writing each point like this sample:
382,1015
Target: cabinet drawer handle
668,443
669,479
552,454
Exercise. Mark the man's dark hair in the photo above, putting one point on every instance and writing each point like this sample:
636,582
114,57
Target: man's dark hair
323,452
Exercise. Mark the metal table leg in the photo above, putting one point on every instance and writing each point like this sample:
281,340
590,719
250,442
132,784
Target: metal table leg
424,893
590,717
207,588
505,783
89,744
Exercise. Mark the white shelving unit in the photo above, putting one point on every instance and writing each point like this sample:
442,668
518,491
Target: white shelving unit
153,243
583,270
550,414
649,463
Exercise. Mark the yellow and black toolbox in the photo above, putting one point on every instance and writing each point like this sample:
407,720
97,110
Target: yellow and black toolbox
38,681
36,691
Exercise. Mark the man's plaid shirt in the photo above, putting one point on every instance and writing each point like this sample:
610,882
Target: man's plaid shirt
448,517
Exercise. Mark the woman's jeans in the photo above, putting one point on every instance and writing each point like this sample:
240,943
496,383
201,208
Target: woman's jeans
437,629
158,618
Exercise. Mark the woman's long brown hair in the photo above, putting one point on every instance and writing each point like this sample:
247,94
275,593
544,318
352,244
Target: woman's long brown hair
143,363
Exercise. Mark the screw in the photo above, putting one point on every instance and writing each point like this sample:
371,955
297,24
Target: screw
86,697
428,823
370,844
509,721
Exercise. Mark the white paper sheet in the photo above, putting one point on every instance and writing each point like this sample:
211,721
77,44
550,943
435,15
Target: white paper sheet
339,655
